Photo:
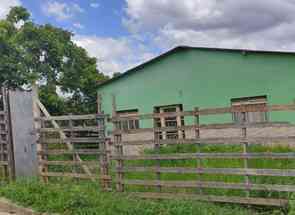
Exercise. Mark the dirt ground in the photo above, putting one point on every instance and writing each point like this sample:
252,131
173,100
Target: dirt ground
8,208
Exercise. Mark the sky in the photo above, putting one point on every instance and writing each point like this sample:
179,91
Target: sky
124,33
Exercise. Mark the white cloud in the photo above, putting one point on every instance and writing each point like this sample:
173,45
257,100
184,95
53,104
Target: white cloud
78,25
61,11
5,6
94,4
114,55
263,24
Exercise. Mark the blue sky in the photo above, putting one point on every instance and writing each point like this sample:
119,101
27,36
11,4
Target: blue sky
90,17
124,33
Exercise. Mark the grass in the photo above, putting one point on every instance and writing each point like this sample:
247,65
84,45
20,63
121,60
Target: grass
81,197
217,163
85,198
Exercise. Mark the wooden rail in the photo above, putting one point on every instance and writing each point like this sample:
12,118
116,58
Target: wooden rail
211,184
208,127
128,164
187,156
220,140
72,117
209,111
221,171
212,198
86,128
71,152
70,163
73,140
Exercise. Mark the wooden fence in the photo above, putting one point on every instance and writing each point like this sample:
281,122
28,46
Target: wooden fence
219,169
73,146
189,175
6,157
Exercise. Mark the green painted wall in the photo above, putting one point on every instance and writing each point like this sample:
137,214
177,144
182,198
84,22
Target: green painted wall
206,78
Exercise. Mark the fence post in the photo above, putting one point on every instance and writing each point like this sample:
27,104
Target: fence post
198,145
44,157
120,163
158,162
118,151
74,156
103,159
38,125
245,151
104,165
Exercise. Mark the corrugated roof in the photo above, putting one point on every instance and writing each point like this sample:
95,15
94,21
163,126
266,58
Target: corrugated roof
179,48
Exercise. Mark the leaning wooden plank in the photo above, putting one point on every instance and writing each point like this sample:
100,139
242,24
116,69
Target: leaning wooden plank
185,156
222,171
211,198
211,184
63,136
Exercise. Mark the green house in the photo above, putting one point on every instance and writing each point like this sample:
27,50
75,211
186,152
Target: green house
188,77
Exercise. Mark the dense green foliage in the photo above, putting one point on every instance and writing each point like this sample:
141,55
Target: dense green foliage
86,198
46,54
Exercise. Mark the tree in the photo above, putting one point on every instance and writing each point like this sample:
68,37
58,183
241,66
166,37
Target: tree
46,54
116,74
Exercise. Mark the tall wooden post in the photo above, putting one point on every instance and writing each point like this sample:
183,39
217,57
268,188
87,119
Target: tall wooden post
43,168
179,124
245,151
38,126
163,125
157,149
74,157
198,145
119,151
103,157
99,104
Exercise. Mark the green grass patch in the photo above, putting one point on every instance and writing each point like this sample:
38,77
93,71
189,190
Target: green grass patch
217,163
86,198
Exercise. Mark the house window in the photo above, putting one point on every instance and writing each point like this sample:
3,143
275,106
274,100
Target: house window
130,123
251,102
169,122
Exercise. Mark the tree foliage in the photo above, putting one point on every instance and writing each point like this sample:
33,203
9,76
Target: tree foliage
29,52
